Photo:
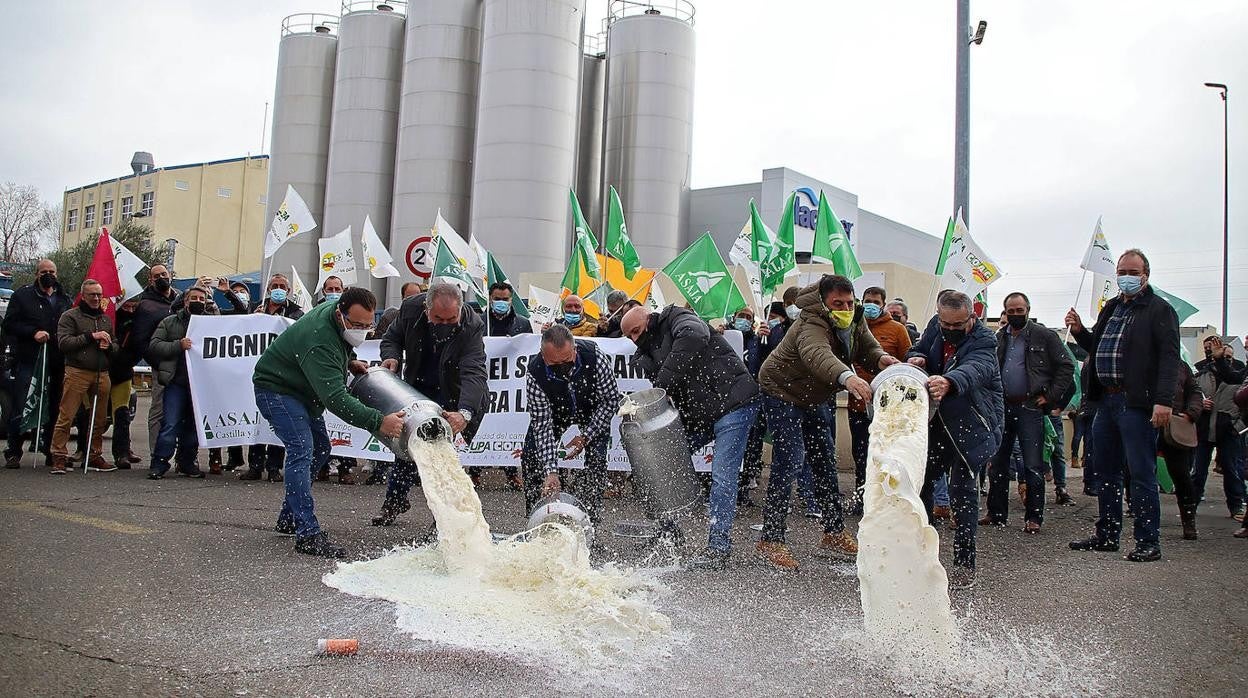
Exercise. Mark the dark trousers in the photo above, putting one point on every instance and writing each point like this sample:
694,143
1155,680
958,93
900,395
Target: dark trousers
802,435
23,374
1057,462
752,467
943,458
1077,435
265,457
1228,443
1090,484
122,416
234,456
860,440
1024,424
1179,465
586,484
1125,440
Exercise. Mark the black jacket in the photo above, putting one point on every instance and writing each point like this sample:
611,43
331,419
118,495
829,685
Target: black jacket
1050,370
462,367
697,367
152,307
32,310
289,309
1150,351
509,325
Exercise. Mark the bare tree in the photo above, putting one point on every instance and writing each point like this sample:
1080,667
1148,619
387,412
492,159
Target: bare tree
28,225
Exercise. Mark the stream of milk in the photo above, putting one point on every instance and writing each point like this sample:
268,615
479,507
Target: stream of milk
538,597
904,590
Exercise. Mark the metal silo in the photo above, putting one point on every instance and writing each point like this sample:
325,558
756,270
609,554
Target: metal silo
589,130
437,119
649,125
360,176
302,103
525,154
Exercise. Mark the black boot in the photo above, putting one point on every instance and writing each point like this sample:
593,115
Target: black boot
1189,525
320,546
390,510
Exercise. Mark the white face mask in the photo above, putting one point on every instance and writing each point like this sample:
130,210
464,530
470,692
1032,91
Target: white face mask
792,311
355,337
243,298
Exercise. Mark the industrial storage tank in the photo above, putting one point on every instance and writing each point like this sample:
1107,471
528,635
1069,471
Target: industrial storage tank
360,176
437,119
525,154
589,130
649,125
299,149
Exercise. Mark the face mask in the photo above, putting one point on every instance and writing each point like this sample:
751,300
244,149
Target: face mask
898,319
774,323
954,337
742,325
47,280
1130,285
572,318
872,311
332,297
442,333
562,370
500,307
842,319
278,295
243,298
792,311
162,284
1017,322
196,307
354,337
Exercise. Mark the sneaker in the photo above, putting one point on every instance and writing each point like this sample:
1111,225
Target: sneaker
156,475
390,511
839,545
709,559
1094,543
1145,553
275,476
250,474
942,513
1063,497
320,546
193,472
99,465
58,465
777,554
813,511
12,462
1032,527
961,578
1238,514
285,528
1241,533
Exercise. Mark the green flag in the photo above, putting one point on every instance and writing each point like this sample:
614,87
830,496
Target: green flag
762,240
494,274
1051,443
449,268
618,243
783,257
584,243
1181,307
832,243
35,410
701,275
945,249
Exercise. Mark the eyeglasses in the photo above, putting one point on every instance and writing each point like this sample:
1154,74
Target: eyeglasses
352,325
93,295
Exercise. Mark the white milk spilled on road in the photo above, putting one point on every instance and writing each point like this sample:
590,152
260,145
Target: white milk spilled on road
536,598
905,596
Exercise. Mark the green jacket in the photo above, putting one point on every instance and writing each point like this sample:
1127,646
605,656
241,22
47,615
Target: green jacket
309,362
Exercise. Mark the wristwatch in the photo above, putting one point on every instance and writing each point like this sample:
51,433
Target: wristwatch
467,415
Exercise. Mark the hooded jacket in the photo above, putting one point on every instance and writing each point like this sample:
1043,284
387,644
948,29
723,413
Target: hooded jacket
973,413
700,371
806,368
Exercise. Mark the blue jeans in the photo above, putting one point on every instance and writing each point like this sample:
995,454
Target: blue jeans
177,430
730,433
307,450
1124,437
797,431
1230,455
940,491
1024,424
1058,460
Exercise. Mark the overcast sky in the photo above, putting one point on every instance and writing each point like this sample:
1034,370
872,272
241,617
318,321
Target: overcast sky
1079,109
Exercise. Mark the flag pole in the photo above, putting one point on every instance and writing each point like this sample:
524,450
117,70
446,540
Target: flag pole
43,372
1078,293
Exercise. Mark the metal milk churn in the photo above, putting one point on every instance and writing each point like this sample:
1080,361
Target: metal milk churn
382,390
658,451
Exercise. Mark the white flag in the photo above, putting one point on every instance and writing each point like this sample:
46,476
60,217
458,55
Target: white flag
482,258
465,254
128,265
969,268
299,292
655,301
543,307
291,219
337,258
740,255
376,256
1103,288
1098,259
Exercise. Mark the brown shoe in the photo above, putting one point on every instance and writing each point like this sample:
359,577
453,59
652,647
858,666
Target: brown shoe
839,545
99,465
214,467
777,554
58,465
322,475
347,478
1241,533
941,513
1031,527
133,458
515,481
476,480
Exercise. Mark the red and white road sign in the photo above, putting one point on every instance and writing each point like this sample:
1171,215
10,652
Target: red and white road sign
420,257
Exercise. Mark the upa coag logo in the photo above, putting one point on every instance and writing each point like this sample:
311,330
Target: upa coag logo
806,214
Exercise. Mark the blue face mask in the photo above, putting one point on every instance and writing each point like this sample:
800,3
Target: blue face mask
872,311
1130,285
500,307
572,318
332,297
743,325
774,323
278,295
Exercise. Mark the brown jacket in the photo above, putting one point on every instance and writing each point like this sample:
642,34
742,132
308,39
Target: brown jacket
894,339
805,369
81,350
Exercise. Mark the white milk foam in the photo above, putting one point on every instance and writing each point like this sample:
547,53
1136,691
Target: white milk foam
536,598
904,590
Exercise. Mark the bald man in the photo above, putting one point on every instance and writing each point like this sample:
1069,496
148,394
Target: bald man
574,317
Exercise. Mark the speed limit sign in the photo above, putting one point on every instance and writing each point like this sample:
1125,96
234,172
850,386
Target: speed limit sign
420,257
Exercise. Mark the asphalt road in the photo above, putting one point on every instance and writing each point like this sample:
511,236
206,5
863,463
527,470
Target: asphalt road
113,585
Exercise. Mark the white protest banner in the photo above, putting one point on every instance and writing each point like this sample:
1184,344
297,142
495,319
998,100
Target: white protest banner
220,362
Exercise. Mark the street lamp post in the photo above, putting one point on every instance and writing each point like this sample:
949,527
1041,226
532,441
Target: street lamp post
1226,237
962,108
